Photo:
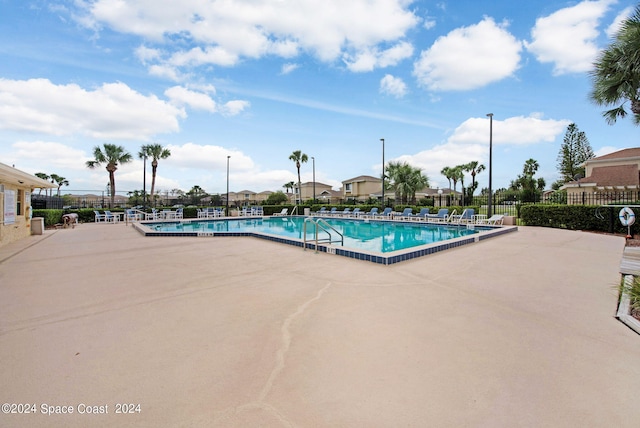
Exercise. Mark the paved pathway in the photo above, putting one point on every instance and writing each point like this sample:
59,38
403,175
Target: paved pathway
517,331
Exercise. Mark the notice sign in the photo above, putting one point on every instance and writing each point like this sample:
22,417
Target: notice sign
9,206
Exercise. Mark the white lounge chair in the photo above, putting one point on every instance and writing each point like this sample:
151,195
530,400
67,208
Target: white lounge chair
494,220
111,218
284,212
100,217
442,216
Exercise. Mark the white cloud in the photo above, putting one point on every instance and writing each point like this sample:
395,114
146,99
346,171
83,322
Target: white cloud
567,37
288,68
369,58
429,23
393,86
470,141
223,32
207,157
612,29
469,57
232,108
181,96
112,111
518,130
56,156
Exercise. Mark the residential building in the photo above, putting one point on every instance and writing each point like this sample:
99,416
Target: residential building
614,177
307,190
362,188
15,202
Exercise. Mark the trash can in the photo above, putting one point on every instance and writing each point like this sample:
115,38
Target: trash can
37,225
307,211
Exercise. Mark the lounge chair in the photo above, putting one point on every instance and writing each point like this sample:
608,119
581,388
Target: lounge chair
333,211
422,215
111,218
345,213
372,212
406,214
386,213
466,217
282,213
494,220
355,213
99,217
442,216
321,211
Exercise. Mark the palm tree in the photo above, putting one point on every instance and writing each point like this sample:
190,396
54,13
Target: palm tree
44,177
111,156
60,181
155,152
474,168
448,174
616,77
405,180
299,157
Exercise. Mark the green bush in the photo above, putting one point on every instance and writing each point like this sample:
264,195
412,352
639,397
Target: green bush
575,217
51,217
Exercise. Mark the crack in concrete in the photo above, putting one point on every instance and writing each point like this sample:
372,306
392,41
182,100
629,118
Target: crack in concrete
260,402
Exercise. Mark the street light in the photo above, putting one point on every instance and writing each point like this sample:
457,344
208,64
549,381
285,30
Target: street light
227,212
490,115
144,182
314,179
382,139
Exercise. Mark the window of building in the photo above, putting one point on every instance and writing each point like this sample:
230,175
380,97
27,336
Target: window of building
347,187
19,202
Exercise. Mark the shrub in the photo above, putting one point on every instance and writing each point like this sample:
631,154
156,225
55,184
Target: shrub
575,217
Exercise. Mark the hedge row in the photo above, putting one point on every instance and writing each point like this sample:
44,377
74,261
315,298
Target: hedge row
575,217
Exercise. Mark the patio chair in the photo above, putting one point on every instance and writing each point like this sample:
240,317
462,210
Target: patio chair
131,215
386,213
466,217
345,213
494,220
99,217
372,212
422,215
321,211
284,212
179,213
440,217
111,218
333,211
355,213
406,214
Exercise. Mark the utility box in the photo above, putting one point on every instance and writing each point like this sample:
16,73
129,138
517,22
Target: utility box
307,212
509,220
37,226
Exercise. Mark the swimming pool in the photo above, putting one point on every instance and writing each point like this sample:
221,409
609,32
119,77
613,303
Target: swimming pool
385,242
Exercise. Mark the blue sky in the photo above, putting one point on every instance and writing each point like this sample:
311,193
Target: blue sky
257,80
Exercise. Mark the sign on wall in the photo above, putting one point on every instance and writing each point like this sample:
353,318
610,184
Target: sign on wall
9,206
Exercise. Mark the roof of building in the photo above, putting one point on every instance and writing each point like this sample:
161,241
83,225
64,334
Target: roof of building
363,178
9,174
620,175
620,154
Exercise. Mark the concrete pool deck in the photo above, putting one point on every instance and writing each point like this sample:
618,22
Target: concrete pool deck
518,330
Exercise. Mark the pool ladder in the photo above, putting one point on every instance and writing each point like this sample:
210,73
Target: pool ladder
321,223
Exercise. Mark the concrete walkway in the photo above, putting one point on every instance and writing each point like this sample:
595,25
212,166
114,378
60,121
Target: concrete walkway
517,331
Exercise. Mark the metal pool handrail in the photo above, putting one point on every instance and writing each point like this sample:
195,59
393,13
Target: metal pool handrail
317,222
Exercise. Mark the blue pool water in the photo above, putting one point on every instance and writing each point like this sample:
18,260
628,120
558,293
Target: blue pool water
375,236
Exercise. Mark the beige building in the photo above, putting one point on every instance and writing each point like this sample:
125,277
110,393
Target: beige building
322,191
608,179
362,187
15,202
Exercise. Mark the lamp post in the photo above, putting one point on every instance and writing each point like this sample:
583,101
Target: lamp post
489,208
314,178
382,139
144,182
227,212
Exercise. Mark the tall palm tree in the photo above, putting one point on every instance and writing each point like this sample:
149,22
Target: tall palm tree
475,168
155,152
60,181
44,177
447,172
111,156
290,185
616,76
405,180
298,157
